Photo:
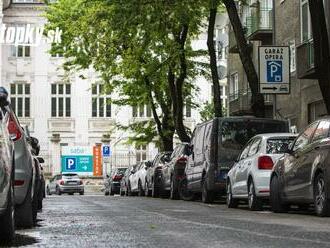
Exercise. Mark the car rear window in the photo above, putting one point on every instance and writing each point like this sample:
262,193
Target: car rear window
121,170
278,145
70,175
236,133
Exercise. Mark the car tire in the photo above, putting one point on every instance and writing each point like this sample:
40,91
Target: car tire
321,199
154,190
146,189
48,191
7,220
82,193
71,193
207,195
231,202
185,194
40,198
140,189
276,203
129,191
121,192
111,191
106,192
254,203
174,192
24,212
58,191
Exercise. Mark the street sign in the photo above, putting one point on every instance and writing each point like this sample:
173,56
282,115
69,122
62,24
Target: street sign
97,164
106,151
78,159
274,69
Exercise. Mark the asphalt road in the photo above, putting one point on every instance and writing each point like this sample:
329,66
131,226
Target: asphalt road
103,221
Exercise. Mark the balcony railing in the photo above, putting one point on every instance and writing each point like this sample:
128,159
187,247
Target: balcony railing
260,24
305,57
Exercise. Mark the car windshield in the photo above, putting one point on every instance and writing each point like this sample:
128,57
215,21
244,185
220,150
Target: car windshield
278,145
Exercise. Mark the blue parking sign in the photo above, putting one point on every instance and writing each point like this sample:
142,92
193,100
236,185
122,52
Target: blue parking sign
70,164
274,71
106,151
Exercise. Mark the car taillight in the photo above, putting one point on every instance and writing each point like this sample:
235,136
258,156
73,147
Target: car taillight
13,129
182,159
117,177
265,163
61,182
19,182
81,182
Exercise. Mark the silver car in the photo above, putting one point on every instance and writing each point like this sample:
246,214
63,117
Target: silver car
65,183
249,177
26,202
7,226
137,179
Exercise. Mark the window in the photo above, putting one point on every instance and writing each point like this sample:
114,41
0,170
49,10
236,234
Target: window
245,152
278,145
199,138
101,106
233,87
61,100
20,99
142,110
322,131
141,153
304,138
292,45
305,21
316,110
20,51
254,147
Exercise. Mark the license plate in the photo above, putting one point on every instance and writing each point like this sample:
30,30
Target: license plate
72,183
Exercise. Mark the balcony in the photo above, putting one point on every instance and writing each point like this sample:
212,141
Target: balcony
305,58
260,25
240,101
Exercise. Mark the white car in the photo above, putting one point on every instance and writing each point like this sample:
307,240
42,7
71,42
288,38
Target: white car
136,181
249,177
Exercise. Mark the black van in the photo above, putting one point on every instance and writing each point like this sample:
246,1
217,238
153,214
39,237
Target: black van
214,147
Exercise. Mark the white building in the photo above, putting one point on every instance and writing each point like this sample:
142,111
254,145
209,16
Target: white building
65,110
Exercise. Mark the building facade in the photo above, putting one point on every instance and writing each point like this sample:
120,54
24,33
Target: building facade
266,26
66,109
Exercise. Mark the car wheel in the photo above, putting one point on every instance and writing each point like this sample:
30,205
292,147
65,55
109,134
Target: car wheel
24,212
185,194
106,192
70,193
174,193
253,202
146,189
58,191
121,192
7,220
111,191
276,202
321,200
48,191
231,202
141,191
129,191
207,195
154,190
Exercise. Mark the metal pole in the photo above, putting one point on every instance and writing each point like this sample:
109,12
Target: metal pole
274,43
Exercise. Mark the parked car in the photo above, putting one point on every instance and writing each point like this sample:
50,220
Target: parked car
7,175
154,178
214,147
65,183
137,179
112,183
25,174
41,181
124,181
302,176
249,178
173,171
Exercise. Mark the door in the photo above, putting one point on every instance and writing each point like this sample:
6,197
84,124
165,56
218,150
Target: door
236,176
293,163
314,153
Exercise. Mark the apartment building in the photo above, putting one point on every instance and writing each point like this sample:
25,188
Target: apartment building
265,26
62,109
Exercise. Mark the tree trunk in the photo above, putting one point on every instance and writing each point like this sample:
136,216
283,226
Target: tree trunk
321,49
257,101
213,60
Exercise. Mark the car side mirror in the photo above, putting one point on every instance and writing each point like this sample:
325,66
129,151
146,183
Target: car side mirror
41,160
